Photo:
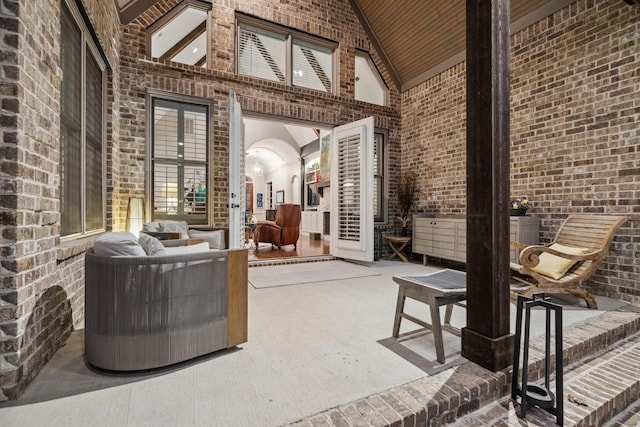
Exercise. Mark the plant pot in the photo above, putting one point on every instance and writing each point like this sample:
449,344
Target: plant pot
518,212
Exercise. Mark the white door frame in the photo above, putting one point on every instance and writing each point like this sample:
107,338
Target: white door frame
237,201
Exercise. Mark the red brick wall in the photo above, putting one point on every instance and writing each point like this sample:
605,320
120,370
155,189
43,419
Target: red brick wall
574,129
41,280
140,72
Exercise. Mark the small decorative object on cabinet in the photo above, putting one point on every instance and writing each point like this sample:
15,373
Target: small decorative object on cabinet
406,190
518,207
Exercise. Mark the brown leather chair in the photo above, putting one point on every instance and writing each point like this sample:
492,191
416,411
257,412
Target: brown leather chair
285,230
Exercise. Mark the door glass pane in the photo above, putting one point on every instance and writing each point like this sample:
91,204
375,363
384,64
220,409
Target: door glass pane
93,144
165,190
195,133
70,127
165,131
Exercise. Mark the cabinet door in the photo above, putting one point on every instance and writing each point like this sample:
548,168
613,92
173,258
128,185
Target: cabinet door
524,230
514,252
422,235
461,240
444,234
305,222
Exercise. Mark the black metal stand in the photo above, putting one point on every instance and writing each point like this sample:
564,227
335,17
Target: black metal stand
532,395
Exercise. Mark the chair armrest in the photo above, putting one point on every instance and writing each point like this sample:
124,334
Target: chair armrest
517,244
530,255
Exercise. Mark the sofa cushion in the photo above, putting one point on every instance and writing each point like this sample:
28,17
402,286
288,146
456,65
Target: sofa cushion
554,266
175,227
189,249
119,243
153,227
151,245
215,238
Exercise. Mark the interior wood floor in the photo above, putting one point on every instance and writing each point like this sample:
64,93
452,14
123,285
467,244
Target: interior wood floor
304,248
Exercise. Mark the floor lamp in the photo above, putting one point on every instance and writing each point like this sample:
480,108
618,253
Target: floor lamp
135,215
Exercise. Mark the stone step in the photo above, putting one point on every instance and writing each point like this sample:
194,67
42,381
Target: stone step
463,393
596,390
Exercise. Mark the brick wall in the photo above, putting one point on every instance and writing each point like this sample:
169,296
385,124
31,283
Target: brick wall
140,72
574,130
41,291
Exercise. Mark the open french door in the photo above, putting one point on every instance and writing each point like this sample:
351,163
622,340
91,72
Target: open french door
352,149
236,180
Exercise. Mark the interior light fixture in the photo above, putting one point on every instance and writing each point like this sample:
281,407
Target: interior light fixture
195,49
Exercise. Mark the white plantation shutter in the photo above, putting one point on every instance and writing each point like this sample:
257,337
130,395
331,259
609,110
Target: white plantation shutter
349,191
312,66
262,54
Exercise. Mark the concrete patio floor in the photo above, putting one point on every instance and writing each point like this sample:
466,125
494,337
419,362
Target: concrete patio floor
311,347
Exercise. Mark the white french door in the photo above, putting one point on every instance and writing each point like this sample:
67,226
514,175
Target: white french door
236,178
352,176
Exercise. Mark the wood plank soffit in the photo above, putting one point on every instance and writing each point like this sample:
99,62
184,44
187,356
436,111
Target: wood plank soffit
393,73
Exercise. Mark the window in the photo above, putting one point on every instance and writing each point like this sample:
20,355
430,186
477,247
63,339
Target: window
81,128
275,53
370,87
379,185
179,160
181,35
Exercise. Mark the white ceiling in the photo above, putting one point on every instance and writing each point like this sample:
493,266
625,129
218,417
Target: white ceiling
271,143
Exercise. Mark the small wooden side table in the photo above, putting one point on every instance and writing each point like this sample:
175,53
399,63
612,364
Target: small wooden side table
446,287
398,243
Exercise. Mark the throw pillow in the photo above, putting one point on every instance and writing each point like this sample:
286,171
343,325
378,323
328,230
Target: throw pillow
554,266
154,227
118,243
215,238
175,227
151,245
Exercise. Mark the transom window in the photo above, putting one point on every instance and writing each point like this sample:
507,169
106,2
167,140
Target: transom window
81,127
276,53
181,35
179,160
370,86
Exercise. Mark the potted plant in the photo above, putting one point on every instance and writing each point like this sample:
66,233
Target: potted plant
519,207
406,190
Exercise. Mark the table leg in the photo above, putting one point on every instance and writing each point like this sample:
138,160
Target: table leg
399,310
398,252
436,328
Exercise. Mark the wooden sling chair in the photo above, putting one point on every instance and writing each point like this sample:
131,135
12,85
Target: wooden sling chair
564,265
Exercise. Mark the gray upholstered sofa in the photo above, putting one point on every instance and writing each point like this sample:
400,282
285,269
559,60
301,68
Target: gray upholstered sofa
145,312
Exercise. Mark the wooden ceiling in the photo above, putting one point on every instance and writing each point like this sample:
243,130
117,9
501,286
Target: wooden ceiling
416,39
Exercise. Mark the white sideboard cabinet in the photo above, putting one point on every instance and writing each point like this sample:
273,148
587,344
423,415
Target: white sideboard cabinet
446,236
311,222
